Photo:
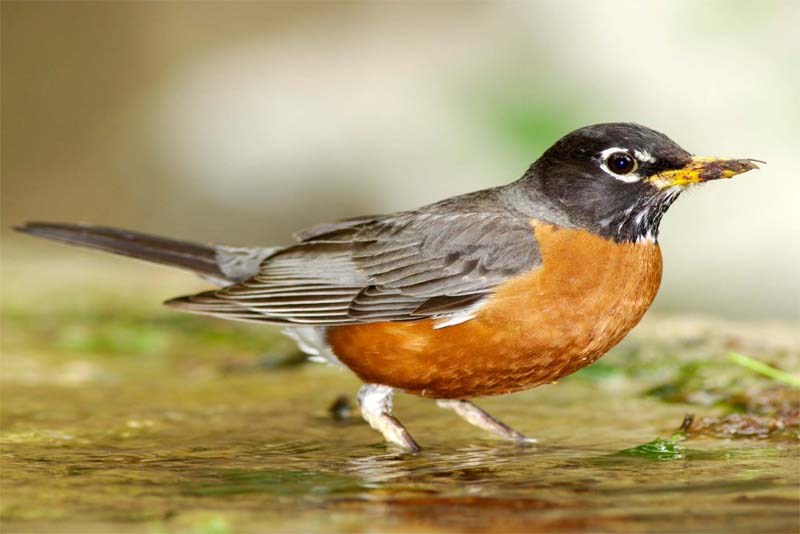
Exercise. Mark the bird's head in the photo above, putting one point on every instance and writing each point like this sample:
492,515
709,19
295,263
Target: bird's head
618,179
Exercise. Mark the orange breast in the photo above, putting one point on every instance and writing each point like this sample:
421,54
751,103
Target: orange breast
537,327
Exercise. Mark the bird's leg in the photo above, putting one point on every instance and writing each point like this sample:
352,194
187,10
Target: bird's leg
474,415
375,402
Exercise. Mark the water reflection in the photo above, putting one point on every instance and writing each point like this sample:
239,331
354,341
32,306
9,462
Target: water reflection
474,463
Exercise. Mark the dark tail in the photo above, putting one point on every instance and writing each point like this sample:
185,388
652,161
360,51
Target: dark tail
202,259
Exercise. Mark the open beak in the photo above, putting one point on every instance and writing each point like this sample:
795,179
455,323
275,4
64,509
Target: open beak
703,170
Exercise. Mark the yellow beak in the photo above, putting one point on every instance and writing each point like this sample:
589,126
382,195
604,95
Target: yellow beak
702,170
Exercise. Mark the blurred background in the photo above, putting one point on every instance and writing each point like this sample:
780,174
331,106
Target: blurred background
242,122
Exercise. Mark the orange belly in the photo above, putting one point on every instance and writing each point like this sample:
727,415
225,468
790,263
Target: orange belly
537,327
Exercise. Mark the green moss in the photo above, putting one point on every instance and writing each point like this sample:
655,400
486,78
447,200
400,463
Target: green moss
658,449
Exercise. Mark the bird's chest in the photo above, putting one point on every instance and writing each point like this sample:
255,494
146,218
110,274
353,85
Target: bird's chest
585,298
537,327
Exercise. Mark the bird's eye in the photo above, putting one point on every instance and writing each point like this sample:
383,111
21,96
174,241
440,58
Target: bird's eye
621,163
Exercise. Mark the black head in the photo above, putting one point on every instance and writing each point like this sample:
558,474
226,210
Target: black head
618,179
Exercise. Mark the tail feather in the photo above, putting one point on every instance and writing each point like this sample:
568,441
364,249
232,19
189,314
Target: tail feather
202,259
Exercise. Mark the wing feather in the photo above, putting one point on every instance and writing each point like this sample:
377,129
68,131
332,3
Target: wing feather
438,263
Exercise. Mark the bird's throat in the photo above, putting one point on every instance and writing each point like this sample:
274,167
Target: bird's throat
640,222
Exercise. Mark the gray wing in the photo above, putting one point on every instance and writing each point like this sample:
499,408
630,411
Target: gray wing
403,267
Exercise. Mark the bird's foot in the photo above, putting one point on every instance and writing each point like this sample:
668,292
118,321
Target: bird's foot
375,401
474,415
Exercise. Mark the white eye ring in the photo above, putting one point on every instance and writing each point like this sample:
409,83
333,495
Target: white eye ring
628,178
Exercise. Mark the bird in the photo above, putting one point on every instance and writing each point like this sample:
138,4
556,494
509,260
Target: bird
485,293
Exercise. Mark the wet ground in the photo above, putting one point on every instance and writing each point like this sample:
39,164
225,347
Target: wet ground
120,416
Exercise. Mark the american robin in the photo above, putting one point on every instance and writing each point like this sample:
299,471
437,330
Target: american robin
485,293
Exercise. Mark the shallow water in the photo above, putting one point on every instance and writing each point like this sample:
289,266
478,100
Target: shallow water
118,416
256,451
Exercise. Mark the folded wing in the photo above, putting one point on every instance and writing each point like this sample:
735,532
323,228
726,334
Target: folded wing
402,267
